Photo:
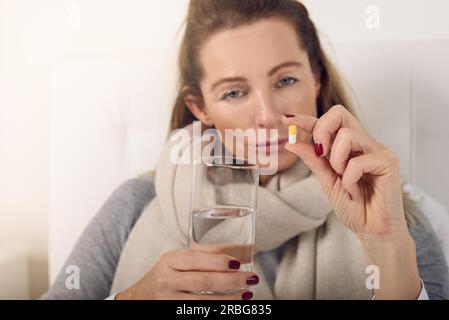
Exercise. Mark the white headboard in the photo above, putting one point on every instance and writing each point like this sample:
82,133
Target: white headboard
110,113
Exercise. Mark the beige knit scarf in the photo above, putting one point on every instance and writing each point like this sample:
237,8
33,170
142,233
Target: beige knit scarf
323,261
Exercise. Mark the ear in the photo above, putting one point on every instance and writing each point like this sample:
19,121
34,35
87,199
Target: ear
198,109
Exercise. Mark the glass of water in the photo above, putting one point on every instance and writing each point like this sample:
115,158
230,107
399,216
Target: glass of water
223,209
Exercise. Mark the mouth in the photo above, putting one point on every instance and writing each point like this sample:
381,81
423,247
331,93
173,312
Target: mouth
271,145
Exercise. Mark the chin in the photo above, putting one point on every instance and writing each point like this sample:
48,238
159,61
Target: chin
285,160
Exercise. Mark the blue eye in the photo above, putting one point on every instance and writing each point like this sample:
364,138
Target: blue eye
232,95
287,81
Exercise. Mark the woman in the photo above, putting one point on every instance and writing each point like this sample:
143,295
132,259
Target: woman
259,65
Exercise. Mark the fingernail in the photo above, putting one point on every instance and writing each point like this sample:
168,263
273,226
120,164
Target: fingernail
289,115
252,280
318,149
234,264
247,295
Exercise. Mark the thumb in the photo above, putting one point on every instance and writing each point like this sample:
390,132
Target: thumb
320,166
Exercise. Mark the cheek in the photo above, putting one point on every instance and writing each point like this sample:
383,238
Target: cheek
229,116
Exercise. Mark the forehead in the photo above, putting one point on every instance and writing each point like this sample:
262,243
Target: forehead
258,46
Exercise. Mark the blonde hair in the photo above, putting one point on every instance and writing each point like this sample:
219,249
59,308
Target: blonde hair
206,17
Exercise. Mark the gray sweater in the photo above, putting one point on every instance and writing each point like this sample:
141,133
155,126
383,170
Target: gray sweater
98,250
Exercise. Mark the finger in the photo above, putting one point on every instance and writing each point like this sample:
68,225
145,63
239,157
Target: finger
302,121
328,125
193,260
212,281
319,166
242,252
347,142
377,164
239,295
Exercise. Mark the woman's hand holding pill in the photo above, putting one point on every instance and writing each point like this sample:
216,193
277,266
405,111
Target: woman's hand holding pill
361,177
178,273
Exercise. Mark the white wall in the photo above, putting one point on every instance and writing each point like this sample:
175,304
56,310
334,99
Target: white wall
346,20
38,39
23,142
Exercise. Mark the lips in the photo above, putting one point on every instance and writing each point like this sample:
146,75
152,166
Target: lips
272,144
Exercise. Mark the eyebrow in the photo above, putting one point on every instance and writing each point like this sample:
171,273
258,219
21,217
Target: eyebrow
270,73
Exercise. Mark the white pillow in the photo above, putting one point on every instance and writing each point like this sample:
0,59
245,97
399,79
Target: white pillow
435,212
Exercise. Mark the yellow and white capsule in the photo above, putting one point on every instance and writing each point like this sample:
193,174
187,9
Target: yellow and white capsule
292,134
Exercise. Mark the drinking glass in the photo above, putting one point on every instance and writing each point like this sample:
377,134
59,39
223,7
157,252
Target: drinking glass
223,209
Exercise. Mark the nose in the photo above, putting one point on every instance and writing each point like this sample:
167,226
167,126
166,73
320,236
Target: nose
267,115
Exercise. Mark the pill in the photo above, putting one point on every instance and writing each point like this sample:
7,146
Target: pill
292,134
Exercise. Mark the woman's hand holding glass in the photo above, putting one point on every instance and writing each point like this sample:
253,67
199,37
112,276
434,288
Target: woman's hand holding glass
178,273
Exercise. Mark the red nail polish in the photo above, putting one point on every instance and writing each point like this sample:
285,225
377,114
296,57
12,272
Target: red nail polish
289,115
247,295
234,264
252,280
318,149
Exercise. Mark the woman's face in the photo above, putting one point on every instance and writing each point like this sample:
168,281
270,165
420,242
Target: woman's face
253,75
